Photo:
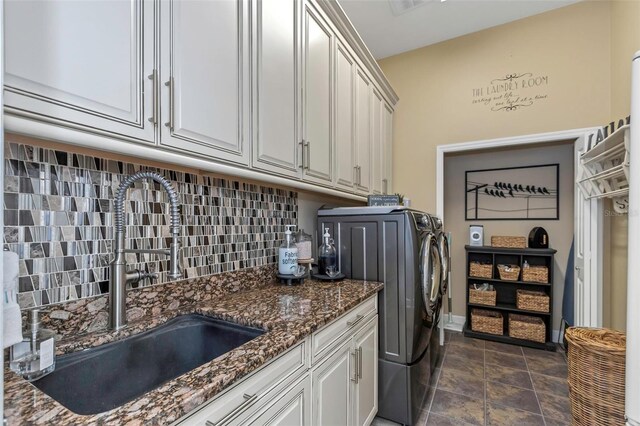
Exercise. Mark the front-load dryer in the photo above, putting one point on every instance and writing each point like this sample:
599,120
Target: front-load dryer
398,247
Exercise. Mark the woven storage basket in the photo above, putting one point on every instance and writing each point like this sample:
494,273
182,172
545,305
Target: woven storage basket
596,375
527,328
536,274
482,297
486,321
480,270
508,242
509,272
532,300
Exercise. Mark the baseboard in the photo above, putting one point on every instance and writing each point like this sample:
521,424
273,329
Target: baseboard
456,324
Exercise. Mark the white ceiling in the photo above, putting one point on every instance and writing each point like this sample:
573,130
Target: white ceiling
434,21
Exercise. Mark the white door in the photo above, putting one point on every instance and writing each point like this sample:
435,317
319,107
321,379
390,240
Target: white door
317,77
387,151
82,64
366,389
292,407
205,75
377,105
331,388
363,133
276,80
587,252
345,117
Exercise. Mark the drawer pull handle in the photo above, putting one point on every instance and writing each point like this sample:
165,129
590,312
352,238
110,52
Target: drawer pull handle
359,362
248,401
354,322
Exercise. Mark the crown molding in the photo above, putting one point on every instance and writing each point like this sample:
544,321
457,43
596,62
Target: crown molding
342,22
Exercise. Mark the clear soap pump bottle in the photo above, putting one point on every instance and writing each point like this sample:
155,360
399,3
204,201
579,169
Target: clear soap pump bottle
327,254
288,253
35,356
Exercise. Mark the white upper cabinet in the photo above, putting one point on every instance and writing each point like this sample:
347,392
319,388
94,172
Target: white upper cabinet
387,149
81,64
345,117
317,95
363,132
284,87
276,80
377,104
205,78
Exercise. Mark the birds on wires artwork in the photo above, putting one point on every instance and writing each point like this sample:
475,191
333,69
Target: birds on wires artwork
513,193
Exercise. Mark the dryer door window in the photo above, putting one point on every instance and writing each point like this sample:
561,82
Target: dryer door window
430,270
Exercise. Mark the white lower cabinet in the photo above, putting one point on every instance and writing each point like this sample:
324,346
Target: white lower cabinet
330,378
345,384
290,408
332,388
365,395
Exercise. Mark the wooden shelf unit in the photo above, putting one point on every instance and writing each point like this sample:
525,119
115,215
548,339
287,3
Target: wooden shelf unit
506,290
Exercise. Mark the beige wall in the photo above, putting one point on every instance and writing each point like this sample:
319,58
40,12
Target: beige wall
560,231
585,50
435,87
308,205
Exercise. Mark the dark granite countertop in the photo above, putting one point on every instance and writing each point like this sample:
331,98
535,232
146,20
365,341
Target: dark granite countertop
289,314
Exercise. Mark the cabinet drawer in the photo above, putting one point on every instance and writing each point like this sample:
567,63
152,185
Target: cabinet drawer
325,338
250,394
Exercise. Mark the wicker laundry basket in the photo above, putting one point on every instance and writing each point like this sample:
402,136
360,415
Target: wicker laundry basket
480,270
596,375
482,297
535,274
486,321
508,241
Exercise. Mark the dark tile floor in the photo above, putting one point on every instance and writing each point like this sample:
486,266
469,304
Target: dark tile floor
485,383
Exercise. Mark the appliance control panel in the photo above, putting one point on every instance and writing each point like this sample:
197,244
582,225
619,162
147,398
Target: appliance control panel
422,221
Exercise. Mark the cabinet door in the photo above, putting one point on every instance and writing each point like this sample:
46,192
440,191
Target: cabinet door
387,150
363,132
82,64
317,144
205,75
376,140
332,389
276,94
365,397
345,117
292,407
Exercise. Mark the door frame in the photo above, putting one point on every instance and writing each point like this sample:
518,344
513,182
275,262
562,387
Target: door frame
588,298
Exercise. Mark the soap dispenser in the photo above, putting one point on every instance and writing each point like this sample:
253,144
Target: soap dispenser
35,356
326,254
288,253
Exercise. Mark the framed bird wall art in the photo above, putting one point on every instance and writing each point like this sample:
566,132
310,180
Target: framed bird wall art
513,193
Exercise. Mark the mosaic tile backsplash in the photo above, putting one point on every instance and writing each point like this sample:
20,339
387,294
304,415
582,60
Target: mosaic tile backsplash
59,219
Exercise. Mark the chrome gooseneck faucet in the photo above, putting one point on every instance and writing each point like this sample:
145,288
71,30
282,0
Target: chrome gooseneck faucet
120,277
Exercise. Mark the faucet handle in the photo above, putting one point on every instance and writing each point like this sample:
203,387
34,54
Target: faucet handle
137,275
149,275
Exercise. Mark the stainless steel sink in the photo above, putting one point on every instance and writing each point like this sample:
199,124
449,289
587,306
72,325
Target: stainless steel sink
103,378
